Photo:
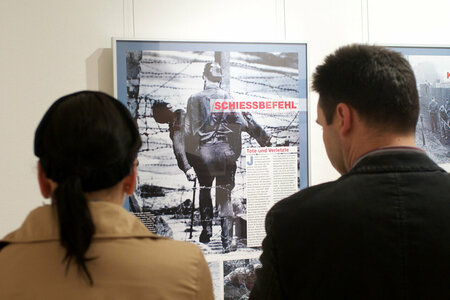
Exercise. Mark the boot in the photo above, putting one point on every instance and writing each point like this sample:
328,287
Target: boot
227,234
206,216
205,235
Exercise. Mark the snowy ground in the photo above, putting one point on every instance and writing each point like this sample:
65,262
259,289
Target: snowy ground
181,231
431,142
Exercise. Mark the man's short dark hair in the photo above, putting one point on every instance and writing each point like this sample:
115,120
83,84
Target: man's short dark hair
377,82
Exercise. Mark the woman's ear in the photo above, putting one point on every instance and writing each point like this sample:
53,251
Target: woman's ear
45,184
129,182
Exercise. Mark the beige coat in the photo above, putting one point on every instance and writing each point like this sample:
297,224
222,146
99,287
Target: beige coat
131,262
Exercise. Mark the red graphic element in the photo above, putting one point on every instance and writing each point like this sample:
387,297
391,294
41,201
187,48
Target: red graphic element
448,75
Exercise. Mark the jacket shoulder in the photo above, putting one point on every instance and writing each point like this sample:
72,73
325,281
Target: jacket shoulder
302,198
177,252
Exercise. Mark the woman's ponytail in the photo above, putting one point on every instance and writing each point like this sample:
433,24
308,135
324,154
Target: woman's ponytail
75,223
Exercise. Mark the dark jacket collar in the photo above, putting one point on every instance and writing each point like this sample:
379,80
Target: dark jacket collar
395,160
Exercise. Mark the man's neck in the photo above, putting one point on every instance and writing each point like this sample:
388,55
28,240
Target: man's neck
371,143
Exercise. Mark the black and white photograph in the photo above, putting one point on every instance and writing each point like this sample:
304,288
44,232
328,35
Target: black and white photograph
239,278
191,167
216,269
432,71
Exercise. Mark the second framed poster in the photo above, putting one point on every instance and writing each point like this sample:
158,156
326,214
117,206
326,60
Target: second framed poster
431,67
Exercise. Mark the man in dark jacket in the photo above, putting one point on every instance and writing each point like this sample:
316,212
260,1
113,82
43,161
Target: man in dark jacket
382,230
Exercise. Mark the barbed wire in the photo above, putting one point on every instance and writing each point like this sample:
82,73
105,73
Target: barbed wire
254,67
266,82
266,85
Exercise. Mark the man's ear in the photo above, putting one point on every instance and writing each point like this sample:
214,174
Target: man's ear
45,184
129,182
344,115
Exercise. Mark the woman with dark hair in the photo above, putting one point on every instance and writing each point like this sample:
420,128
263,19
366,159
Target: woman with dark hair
85,245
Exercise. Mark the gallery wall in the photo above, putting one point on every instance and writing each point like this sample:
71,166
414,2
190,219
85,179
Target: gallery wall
50,48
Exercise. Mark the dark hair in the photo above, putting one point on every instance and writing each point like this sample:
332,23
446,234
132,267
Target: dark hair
213,72
86,141
162,112
377,82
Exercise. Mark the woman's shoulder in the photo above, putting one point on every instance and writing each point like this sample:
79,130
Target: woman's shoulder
165,247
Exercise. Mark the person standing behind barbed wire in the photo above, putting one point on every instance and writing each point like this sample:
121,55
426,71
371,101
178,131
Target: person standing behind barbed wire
164,113
213,145
433,109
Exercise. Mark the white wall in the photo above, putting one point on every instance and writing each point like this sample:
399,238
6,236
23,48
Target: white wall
52,47
409,22
48,48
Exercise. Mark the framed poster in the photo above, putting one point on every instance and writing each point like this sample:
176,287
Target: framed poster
431,67
224,128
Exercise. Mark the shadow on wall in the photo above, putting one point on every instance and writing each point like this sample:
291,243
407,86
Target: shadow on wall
99,71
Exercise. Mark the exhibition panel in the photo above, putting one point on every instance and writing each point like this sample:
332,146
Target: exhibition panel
225,136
